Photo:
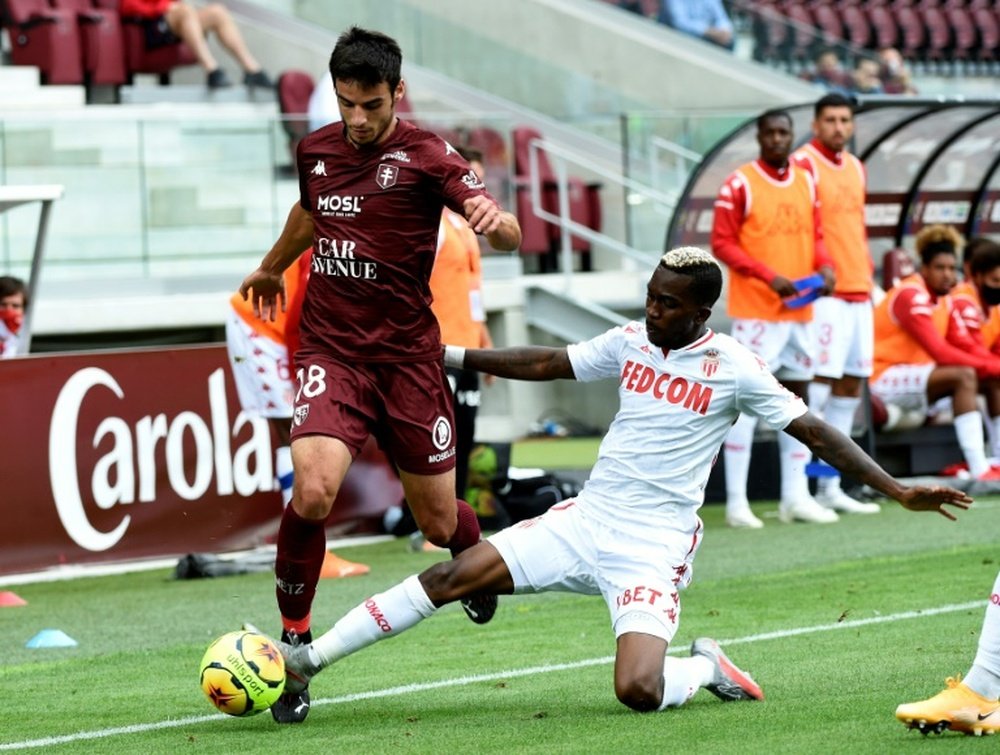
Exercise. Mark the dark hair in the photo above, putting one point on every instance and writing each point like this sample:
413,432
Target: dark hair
773,113
470,154
700,267
367,57
833,99
9,285
972,247
985,255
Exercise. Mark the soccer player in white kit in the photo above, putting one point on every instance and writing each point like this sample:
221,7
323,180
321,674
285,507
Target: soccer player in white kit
632,533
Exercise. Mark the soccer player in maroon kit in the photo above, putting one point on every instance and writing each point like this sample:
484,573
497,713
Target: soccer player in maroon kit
372,189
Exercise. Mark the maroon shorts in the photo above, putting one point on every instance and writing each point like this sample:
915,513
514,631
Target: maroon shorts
407,407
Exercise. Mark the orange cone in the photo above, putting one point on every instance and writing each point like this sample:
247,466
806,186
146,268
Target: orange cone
8,599
334,566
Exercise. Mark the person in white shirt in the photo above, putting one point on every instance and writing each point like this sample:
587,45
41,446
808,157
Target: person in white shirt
632,533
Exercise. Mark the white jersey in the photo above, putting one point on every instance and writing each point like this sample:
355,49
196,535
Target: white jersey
675,410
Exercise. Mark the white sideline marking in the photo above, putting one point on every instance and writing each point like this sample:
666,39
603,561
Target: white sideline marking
465,680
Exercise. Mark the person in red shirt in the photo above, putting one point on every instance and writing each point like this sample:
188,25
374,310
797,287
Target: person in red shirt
843,320
13,301
767,229
372,188
916,356
169,21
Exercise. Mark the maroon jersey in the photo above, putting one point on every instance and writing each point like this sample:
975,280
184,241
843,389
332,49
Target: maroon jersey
376,212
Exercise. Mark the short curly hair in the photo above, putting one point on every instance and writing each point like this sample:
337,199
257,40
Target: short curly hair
937,239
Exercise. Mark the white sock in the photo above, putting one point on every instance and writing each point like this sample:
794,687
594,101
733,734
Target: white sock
969,429
283,470
840,412
736,453
794,455
984,676
682,677
819,395
995,437
381,616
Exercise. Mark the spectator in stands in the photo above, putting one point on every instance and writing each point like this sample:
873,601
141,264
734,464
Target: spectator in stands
845,341
914,361
828,72
13,300
865,77
261,357
169,21
705,19
768,230
893,73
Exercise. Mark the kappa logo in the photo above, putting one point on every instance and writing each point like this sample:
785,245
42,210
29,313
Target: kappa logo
471,180
386,175
448,149
301,414
710,364
319,169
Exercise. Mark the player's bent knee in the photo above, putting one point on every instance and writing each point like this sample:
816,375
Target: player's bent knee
444,583
641,694
313,499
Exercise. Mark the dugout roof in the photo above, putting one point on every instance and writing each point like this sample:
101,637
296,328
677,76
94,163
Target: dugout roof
928,161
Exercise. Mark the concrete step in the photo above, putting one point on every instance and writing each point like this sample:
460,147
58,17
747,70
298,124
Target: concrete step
187,93
19,78
42,97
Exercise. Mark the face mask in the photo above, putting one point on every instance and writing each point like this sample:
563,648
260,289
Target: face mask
990,294
12,319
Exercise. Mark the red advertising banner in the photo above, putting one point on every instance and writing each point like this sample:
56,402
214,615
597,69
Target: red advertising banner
108,456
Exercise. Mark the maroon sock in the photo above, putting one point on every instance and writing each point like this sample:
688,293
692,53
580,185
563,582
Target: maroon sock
467,533
301,547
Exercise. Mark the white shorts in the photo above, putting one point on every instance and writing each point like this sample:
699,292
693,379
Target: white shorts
789,348
845,337
640,579
261,370
904,385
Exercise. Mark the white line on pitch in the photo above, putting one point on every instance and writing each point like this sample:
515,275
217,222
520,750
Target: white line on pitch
464,680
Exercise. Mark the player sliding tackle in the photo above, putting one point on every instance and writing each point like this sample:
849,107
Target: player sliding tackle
632,533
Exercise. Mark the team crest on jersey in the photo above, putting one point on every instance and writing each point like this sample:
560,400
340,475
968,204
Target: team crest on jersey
441,433
319,169
710,364
386,175
472,181
301,413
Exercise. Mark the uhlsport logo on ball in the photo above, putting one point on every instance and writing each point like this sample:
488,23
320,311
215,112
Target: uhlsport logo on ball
242,673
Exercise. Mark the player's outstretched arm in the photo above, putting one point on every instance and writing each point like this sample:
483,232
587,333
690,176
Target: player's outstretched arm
517,362
265,284
499,227
835,448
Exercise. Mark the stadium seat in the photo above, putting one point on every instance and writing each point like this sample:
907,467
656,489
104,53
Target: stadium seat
830,21
897,263
857,27
883,24
541,237
46,38
986,21
913,34
964,38
138,59
294,90
938,34
101,41
771,33
803,32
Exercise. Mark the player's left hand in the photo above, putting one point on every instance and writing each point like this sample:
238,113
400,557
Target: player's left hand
482,213
934,498
264,290
829,280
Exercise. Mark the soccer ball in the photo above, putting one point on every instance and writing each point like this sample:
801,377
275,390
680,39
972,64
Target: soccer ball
242,673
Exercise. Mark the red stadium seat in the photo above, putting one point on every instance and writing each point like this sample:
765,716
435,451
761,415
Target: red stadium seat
584,202
160,61
101,40
294,89
46,38
884,26
963,30
771,33
938,33
912,32
858,28
986,21
830,21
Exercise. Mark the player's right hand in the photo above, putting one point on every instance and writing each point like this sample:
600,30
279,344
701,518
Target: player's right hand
934,498
783,287
264,289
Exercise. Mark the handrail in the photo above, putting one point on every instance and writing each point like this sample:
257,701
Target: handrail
569,227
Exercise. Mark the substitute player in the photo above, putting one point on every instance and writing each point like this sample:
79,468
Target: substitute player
632,533
843,320
768,230
372,189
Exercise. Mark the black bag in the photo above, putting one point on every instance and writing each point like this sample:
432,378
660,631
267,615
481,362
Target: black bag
203,565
